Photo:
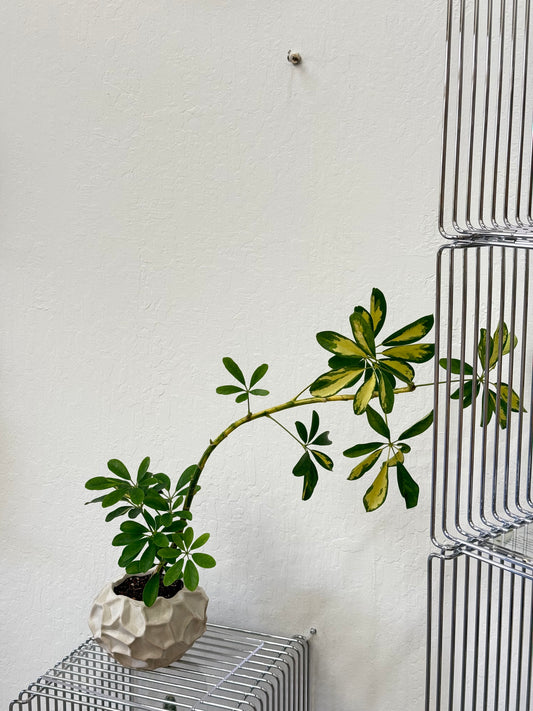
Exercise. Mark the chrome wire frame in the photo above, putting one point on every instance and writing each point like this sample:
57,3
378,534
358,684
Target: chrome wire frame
480,630
487,145
482,473
226,669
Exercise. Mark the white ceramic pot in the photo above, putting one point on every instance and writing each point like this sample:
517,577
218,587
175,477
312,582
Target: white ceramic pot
142,637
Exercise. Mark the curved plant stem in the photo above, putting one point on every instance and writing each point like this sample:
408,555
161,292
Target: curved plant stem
268,412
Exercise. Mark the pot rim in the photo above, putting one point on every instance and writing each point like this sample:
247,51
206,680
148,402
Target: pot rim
165,600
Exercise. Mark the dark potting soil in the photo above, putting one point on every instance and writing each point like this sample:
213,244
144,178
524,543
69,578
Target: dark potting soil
133,588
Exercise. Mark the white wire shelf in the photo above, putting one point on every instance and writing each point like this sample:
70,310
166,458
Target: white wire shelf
226,669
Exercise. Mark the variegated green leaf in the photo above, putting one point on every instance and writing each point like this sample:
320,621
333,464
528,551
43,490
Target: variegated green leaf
410,333
482,347
340,345
334,380
378,310
364,394
417,353
515,400
377,493
363,331
400,368
396,458
365,465
323,459
503,332
358,450
386,391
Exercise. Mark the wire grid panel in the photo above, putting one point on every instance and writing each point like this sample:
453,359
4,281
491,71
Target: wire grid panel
487,155
226,669
480,633
483,426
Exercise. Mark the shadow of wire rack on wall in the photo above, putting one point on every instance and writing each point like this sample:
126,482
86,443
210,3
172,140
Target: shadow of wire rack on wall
480,577
226,669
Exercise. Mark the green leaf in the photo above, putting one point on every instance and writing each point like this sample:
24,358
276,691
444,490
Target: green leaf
396,458
187,537
378,310
399,368
97,500
229,389
133,527
133,568
163,479
310,480
365,465
334,380
364,395
515,400
258,374
186,477
405,448
200,541
117,512
151,590
503,332
410,333
407,486
417,353
147,558
362,329
232,368
377,493
482,346
143,469
114,497
100,482
136,495
305,467
169,553
386,391
149,519
315,423
301,466
173,573
377,422
302,431
178,540
125,538
455,366
118,468
130,552
160,540
134,512
322,440
419,427
340,345
184,514
165,519
467,392
358,450
323,459
242,397
338,362
191,576
154,501
204,560
260,393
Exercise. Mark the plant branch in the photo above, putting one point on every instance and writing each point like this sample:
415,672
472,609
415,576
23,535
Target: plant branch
257,415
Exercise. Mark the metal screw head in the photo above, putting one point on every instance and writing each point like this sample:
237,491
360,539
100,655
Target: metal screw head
294,57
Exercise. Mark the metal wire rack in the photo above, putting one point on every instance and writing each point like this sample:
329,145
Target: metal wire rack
226,669
487,158
483,406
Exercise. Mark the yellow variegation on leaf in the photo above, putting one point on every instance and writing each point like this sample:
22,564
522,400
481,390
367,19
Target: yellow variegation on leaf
377,493
365,465
334,380
364,394
416,353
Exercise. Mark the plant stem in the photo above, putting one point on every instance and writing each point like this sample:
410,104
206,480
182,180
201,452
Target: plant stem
257,415
286,430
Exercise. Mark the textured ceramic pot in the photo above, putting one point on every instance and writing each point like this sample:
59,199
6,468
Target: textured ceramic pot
142,637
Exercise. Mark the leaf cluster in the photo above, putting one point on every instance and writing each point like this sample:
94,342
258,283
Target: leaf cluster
161,536
305,466
495,395
243,390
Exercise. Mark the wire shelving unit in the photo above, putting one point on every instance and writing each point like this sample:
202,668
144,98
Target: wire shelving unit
225,670
480,577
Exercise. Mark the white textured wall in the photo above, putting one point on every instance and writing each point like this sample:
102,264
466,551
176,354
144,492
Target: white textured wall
173,191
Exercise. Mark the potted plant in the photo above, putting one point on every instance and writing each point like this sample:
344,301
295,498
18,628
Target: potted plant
152,615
